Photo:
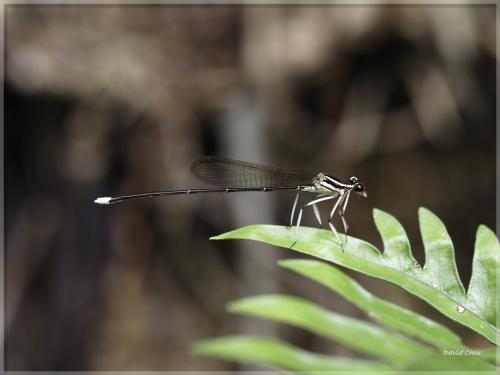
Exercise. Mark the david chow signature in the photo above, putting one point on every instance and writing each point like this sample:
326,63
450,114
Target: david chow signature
464,352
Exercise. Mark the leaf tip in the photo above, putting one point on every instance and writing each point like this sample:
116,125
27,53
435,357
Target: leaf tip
234,307
377,215
285,263
486,238
386,224
484,230
298,265
205,347
380,215
428,218
232,234
197,348
424,211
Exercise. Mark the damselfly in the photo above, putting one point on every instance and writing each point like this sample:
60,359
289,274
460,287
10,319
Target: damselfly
229,175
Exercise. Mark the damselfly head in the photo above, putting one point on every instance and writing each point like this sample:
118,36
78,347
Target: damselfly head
359,188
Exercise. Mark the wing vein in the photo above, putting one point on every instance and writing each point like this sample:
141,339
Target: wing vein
239,174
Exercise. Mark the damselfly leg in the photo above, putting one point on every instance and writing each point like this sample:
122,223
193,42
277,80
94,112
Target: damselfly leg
342,214
340,205
315,208
317,215
312,204
332,213
293,208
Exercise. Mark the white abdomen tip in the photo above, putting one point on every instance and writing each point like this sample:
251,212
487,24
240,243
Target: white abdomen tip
103,200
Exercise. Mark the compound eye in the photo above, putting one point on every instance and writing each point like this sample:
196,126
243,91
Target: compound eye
359,187
353,179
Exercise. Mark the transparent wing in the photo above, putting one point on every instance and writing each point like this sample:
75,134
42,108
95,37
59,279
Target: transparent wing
239,174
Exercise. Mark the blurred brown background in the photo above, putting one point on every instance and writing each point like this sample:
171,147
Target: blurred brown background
104,100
